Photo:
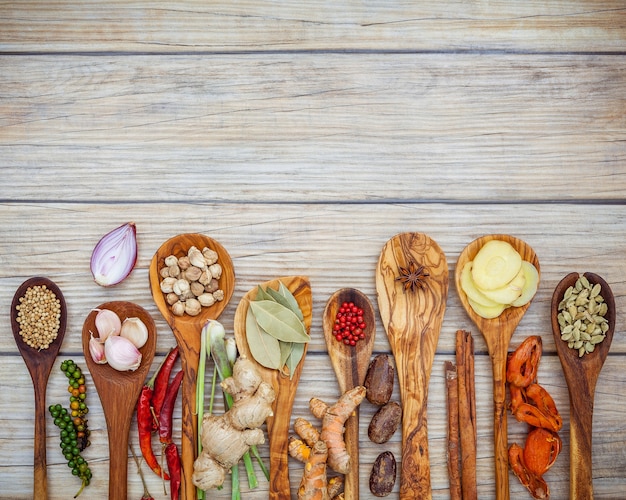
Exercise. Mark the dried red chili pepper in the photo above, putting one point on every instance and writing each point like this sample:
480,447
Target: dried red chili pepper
145,421
165,418
173,465
161,383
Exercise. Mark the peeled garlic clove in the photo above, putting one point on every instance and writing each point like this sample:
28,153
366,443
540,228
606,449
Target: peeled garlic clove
121,354
136,331
96,349
115,255
107,323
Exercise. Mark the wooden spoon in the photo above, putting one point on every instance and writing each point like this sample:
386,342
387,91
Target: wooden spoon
187,330
119,391
581,375
39,364
285,387
412,320
350,364
497,333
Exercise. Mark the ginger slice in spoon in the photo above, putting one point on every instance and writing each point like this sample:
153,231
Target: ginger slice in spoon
495,265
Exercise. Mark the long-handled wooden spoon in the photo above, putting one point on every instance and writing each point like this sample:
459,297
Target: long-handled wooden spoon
39,364
350,364
412,318
284,386
118,391
187,330
581,375
497,333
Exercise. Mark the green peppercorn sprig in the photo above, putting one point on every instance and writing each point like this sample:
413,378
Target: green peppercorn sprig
78,401
69,445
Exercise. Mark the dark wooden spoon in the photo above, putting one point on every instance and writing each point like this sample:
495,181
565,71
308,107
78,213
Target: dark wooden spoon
350,364
581,375
39,364
412,320
497,333
187,330
118,391
284,386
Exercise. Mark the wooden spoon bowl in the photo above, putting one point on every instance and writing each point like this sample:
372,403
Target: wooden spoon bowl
581,375
39,364
350,364
412,320
187,330
497,333
285,387
119,391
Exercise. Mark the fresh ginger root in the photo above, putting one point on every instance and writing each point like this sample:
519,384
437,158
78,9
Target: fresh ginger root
333,420
226,438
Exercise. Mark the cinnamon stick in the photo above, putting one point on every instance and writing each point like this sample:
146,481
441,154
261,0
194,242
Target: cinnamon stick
452,391
467,412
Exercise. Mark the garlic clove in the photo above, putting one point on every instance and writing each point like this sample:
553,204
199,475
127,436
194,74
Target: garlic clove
115,255
96,349
107,323
136,331
122,354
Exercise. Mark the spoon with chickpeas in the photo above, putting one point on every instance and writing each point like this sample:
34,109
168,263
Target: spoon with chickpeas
38,320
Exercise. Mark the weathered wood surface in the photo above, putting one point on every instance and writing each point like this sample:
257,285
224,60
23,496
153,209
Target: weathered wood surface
302,138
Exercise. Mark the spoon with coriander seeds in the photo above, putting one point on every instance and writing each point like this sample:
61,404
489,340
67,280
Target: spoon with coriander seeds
582,363
412,287
39,350
350,358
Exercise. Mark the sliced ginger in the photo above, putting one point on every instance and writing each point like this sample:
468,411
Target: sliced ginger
495,265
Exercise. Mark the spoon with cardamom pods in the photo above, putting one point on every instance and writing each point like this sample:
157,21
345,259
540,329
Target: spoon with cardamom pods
187,329
350,361
582,362
39,357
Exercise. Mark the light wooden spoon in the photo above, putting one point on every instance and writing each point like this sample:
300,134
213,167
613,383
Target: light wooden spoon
39,364
118,391
412,320
497,333
284,386
581,375
350,364
187,330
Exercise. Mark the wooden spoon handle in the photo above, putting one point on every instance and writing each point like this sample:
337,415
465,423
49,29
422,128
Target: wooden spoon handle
415,468
501,446
278,432
189,364
40,486
351,438
118,429
581,421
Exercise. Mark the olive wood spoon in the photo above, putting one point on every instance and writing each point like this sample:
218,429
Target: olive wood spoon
118,391
187,330
581,375
497,333
350,364
284,386
412,320
39,364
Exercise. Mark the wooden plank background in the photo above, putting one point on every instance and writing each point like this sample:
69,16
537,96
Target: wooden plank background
303,138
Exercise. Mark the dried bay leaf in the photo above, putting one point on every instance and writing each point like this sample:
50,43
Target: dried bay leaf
284,296
279,321
285,351
297,352
262,294
264,347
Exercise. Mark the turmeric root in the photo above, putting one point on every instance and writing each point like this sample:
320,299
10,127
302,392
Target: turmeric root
226,438
333,420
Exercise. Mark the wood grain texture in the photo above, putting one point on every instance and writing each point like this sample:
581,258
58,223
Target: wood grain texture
497,333
412,320
119,391
581,375
279,424
187,331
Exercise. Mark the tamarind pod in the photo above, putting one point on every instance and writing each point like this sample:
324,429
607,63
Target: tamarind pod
167,410
161,382
173,466
145,421
523,363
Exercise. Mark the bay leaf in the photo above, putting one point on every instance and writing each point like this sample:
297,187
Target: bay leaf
279,321
285,351
291,300
297,352
262,294
265,348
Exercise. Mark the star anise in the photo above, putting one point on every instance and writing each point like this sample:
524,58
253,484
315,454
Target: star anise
412,277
